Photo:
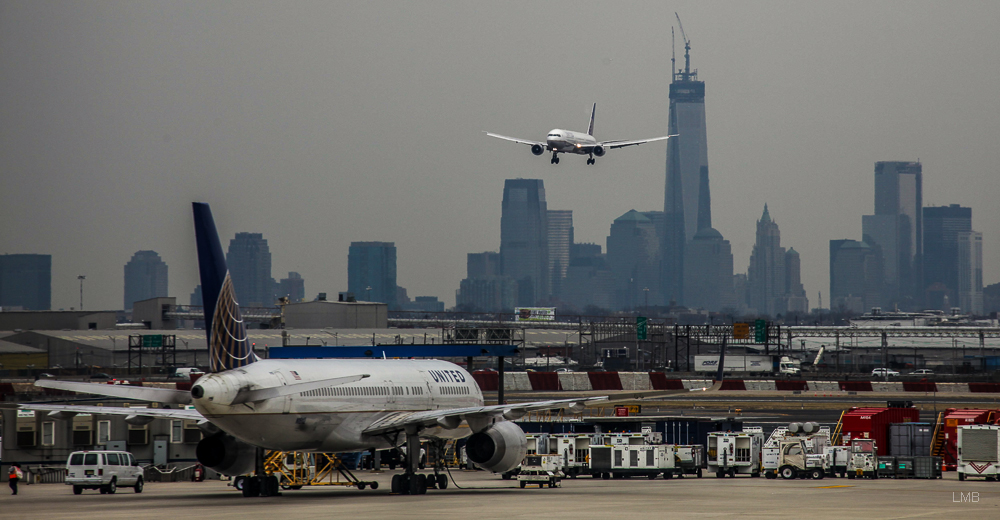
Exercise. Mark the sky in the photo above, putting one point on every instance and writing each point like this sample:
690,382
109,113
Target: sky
322,123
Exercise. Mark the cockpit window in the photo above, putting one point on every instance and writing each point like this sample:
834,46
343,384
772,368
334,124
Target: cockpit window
554,135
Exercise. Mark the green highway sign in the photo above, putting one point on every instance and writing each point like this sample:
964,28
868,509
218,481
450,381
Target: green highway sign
641,327
760,331
152,341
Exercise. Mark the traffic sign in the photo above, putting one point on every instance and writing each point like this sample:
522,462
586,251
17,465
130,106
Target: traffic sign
741,331
641,327
760,331
152,341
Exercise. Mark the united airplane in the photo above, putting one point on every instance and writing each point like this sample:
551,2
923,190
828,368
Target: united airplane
246,404
566,141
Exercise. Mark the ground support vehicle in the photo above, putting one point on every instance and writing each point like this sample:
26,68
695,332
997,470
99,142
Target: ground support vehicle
978,452
531,475
735,453
573,448
632,461
689,459
797,456
293,470
837,459
864,459
103,470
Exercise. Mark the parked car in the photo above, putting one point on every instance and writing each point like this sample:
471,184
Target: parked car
922,372
882,372
103,470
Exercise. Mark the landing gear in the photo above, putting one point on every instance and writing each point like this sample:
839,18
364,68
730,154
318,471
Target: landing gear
591,160
555,158
410,482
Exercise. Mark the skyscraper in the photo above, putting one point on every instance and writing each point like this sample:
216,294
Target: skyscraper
766,275
26,282
942,226
633,251
855,276
560,231
293,287
708,275
524,247
795,293
145,278
249,261
371,272
896,229
970,272
687,203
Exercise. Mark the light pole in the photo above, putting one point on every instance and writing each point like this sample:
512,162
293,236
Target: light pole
114,346
81,278
645,292
368,293
336,339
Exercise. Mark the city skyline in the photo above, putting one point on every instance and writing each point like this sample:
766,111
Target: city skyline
217,111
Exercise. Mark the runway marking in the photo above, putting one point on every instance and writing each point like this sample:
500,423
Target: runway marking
830,487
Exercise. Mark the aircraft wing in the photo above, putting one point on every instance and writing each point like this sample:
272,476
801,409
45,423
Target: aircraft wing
159,395
516,140
452,418
67,410
611,145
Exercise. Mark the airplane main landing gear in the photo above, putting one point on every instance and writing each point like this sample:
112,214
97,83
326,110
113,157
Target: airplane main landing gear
591,161
555,158
410,482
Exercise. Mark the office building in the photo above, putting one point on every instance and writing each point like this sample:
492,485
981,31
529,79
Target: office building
855,276
687,202
26,282
145,278
293,287
249,261
970,272
524,232
795,293
633,254
560,231
896,229
371,272
766,274
942,226
708,275
481,265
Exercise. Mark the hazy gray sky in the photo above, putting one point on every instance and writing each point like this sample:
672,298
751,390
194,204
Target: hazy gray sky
318,124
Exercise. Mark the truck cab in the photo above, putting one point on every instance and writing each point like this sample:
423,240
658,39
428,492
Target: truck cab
790,367
864,459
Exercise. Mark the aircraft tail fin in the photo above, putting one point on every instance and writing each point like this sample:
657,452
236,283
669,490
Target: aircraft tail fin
228,346
722,362
590,129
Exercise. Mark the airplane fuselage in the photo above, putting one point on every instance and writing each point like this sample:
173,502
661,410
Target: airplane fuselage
332,419
567,141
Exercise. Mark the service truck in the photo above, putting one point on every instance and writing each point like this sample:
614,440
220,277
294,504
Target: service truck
625,461
733,453
798,451
978,451
689,459
864,459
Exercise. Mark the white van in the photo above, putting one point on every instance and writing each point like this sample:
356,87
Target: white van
103,470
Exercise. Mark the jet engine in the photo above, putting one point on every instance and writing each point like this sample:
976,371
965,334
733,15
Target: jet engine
599,151
223,453
537,149
499,448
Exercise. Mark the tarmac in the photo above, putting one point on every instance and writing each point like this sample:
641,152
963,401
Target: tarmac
488,496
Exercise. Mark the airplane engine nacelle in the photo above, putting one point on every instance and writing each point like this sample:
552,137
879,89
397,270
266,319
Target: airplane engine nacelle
537,149
499,448
223,453
599,151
